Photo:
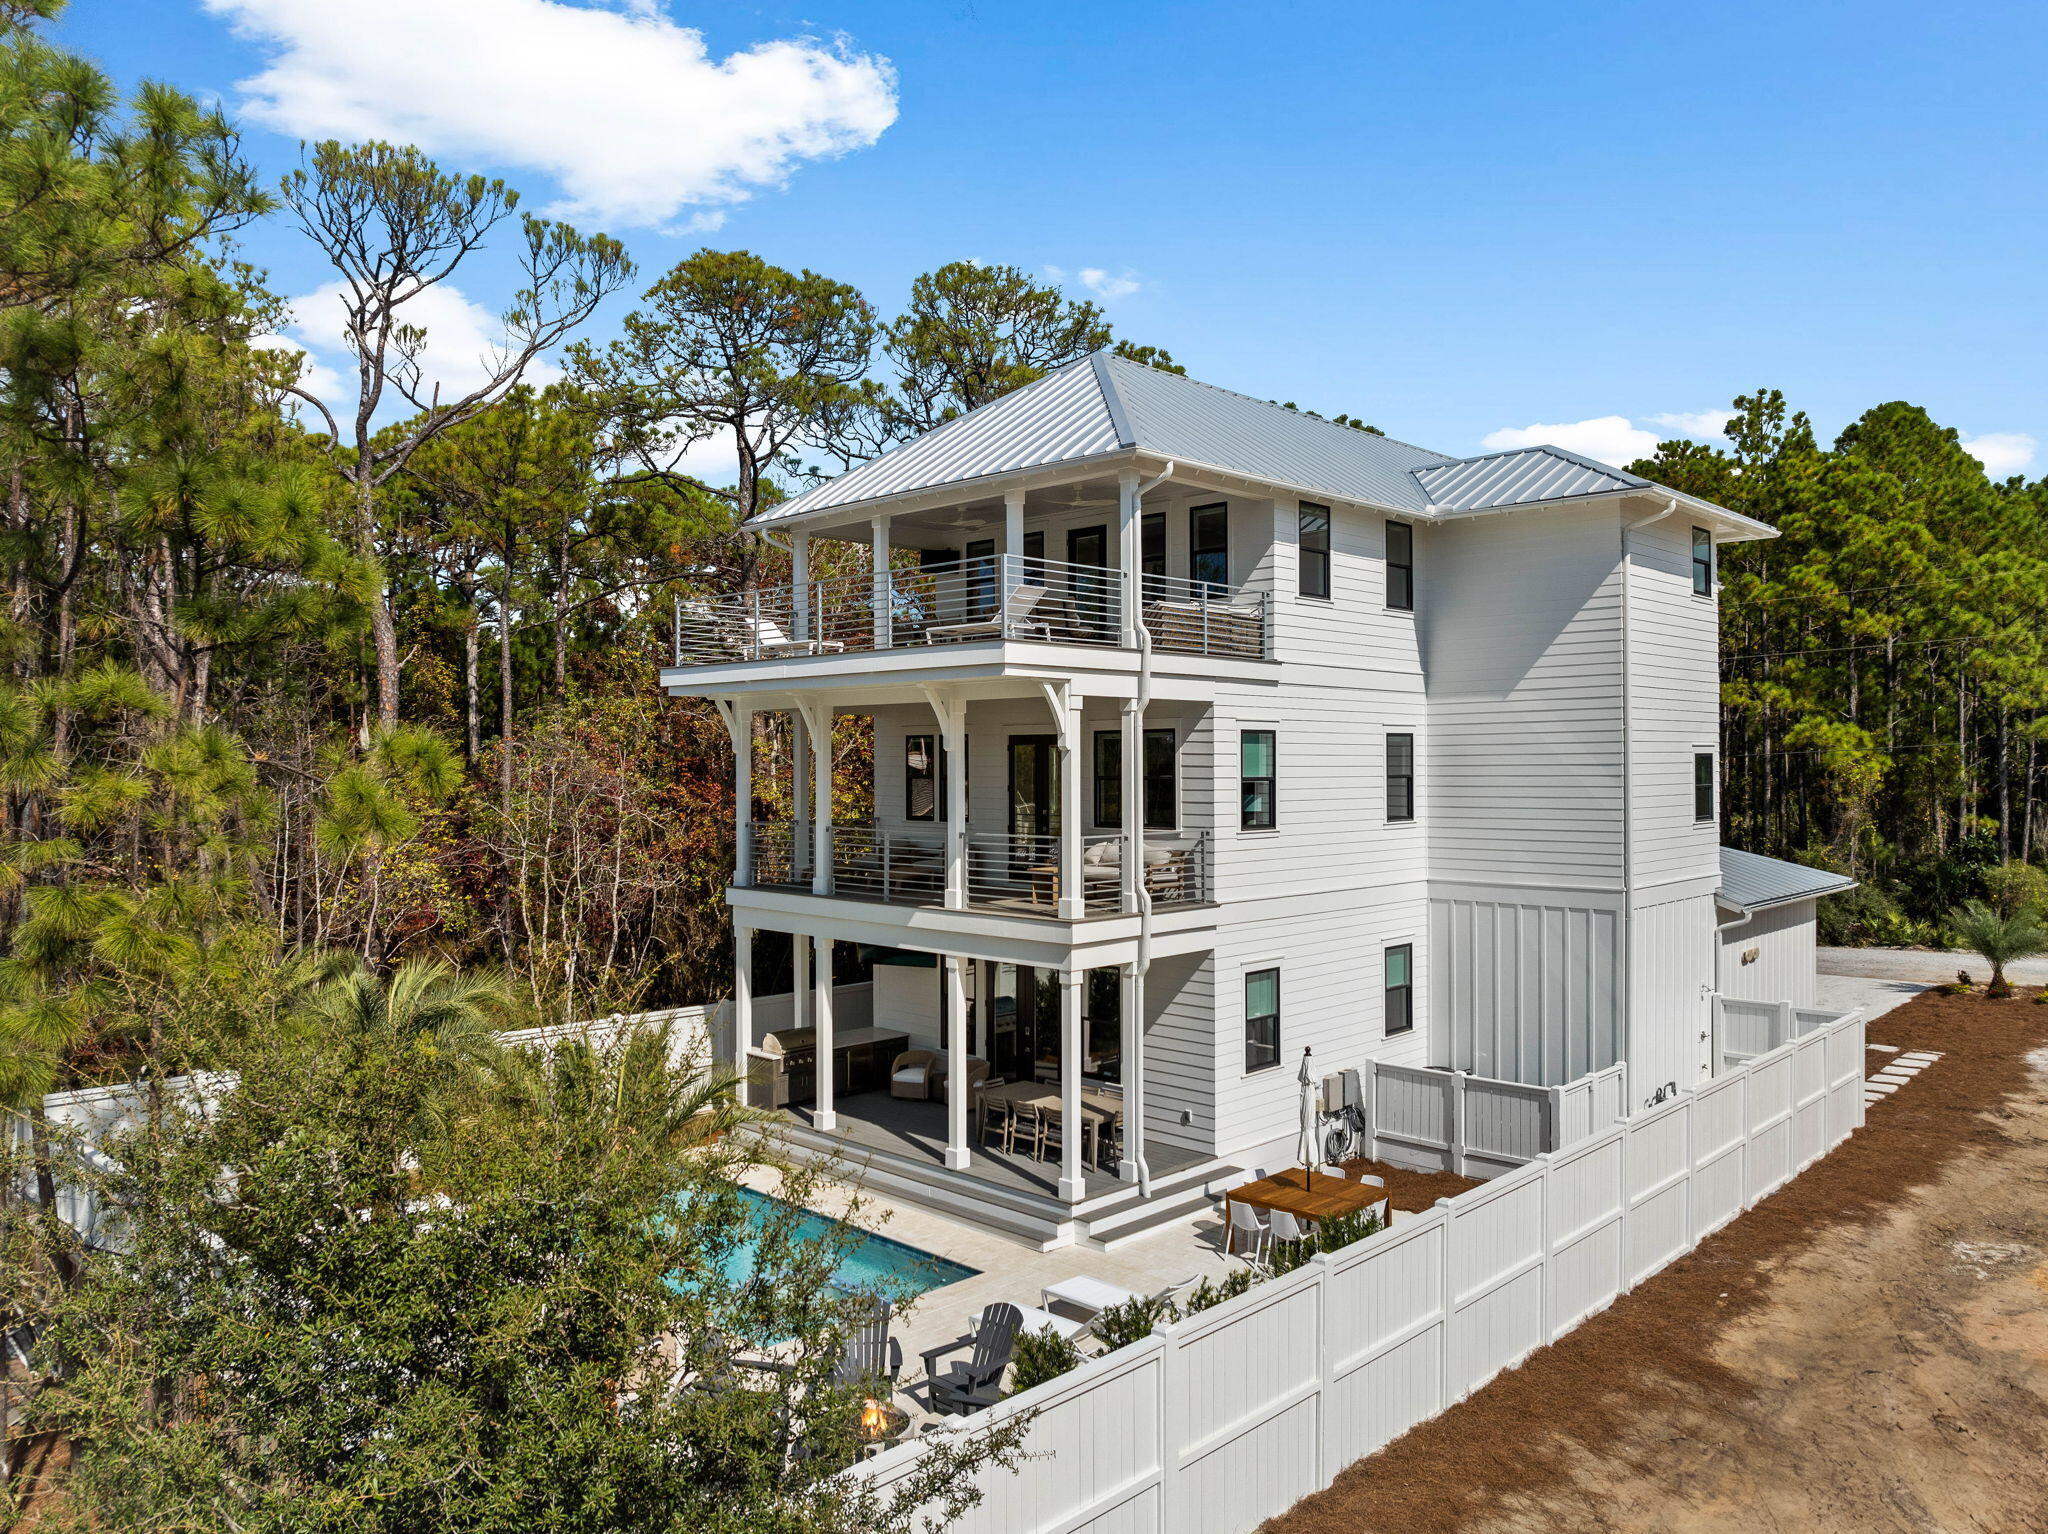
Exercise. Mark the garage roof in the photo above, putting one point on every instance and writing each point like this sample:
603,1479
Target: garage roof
1755,882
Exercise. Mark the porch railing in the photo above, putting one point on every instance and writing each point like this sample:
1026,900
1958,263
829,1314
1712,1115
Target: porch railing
1203,618
1022,874
1005,596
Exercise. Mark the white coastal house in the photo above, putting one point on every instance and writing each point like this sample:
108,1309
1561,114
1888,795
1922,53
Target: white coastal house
1206,732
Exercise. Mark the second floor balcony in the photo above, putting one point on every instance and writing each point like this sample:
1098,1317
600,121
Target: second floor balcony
995,598
1019,875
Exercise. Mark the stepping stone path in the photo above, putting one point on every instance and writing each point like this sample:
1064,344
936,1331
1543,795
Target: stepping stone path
1895,1073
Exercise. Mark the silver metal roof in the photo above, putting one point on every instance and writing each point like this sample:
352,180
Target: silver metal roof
1102,405
1755,882
1518,476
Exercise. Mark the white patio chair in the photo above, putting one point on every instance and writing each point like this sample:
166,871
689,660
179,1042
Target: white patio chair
1013,617
1286,1228
1245,1225
770,640
1332,1169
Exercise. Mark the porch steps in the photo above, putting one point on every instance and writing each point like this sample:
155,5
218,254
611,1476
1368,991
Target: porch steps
1041,1223
1174,1198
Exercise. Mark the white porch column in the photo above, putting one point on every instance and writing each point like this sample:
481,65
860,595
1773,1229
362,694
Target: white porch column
1013,523
799,793
799,980
1131,1009
1065,704
956,1063
1128,552
739,727
800,583
1134,804
951,714
742,996
1073,1179
822,1116
878,561
818,727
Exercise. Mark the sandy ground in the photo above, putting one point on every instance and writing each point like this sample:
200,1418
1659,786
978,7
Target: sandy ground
1870,1353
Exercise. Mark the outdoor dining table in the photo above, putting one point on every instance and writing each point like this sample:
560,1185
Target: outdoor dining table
1329,1198
1097,1108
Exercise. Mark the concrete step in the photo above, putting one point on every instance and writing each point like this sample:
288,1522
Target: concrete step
1039,1223
1172,1201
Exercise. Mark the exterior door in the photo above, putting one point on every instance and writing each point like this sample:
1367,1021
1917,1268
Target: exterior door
1034,802
1088,553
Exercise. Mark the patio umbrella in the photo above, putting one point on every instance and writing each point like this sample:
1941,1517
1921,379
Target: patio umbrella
1309,1107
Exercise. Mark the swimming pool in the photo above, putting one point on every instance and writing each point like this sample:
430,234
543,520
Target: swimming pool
872,1262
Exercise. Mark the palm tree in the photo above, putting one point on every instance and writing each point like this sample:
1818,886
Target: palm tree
1999,937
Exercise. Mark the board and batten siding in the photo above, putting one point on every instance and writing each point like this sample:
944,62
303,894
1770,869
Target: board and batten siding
1784,943
1671,984
1526,992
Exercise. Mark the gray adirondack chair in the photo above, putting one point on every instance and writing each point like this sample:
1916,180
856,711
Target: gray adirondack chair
870,1353
968,1387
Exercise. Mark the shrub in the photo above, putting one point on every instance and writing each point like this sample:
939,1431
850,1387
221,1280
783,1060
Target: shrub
1329,1236
1121,1325
1041,1356
1206,1296
2000,937
2016,889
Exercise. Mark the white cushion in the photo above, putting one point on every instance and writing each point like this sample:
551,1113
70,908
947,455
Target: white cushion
1103,852
914,1073
1154,856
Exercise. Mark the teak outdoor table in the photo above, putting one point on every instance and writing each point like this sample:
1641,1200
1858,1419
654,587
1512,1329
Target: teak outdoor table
1097,1108
1331,1199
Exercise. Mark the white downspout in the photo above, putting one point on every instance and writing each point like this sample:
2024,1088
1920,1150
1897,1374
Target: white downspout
1135,1024
1628,851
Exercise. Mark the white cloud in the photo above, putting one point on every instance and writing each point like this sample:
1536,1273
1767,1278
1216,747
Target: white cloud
463,341
2003,453
1707,424
1100,281
626,110
1609,438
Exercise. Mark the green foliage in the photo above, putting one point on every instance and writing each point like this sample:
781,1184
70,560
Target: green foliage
1118,1326
1040,1356
450,1286
1206,1295
2000,937
2016,889
1327,1236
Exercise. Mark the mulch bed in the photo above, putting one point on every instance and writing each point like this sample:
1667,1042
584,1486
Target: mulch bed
1414,1192
1655,1345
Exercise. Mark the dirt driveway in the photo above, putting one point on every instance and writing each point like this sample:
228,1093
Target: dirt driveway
1866,1350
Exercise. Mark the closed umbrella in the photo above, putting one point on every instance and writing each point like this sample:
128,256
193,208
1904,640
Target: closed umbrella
1309,1107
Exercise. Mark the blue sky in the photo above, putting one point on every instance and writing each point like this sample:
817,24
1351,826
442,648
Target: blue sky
1456,221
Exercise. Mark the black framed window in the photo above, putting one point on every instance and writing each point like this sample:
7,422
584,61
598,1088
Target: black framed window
1400,988
1702,562
1312,570
1209,546
1152,543
1400,777
1703,785
924,778
1162,792
1261,1019
1258,752
1401,567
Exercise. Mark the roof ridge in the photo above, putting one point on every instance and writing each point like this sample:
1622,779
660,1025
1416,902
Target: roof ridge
1304,415
1565,453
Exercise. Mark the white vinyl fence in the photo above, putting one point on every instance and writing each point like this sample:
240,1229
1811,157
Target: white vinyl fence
1743,1030
1219,1422
1448,1121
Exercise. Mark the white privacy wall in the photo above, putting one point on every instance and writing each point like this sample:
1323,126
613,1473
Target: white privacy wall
1224,1420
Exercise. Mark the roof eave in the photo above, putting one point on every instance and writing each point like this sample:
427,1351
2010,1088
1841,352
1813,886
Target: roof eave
930,497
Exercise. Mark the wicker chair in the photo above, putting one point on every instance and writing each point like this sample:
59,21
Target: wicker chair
910,1075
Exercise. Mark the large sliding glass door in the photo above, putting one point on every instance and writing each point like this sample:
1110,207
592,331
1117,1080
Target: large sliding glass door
1023,1041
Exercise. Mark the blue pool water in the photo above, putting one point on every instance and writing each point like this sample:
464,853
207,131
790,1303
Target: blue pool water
871,1262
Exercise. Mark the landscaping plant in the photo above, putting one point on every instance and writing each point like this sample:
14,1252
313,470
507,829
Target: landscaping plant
1041,1355
2001,937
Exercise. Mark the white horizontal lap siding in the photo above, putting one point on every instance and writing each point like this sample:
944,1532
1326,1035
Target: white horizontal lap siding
1674,706
1521,640
1671,980
1353,631
1180,1070
1782,940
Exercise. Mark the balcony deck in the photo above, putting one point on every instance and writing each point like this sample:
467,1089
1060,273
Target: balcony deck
1004,597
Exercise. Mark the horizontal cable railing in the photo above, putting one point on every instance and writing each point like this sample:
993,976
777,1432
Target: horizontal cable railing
1202,618
868,864
1019,873
1006,596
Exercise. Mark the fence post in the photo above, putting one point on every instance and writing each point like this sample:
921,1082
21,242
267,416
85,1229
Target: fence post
1553,1132
1447,1395
1788,1025
1455,1099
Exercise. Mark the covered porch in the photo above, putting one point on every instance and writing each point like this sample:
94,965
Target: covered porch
1021,1075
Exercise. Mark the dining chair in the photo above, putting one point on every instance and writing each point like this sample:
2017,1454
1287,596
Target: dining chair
1370,1181
1026,1129
996,1123
1286,1228
1245,1225
1331,1169
1051,1132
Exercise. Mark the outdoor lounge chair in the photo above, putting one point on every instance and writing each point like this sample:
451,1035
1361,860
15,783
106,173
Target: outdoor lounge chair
910,1076
1092,1296
769,640
977,1383
871,1353
1012,619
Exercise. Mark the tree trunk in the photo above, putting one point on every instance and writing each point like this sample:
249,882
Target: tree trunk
505,702
383,625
